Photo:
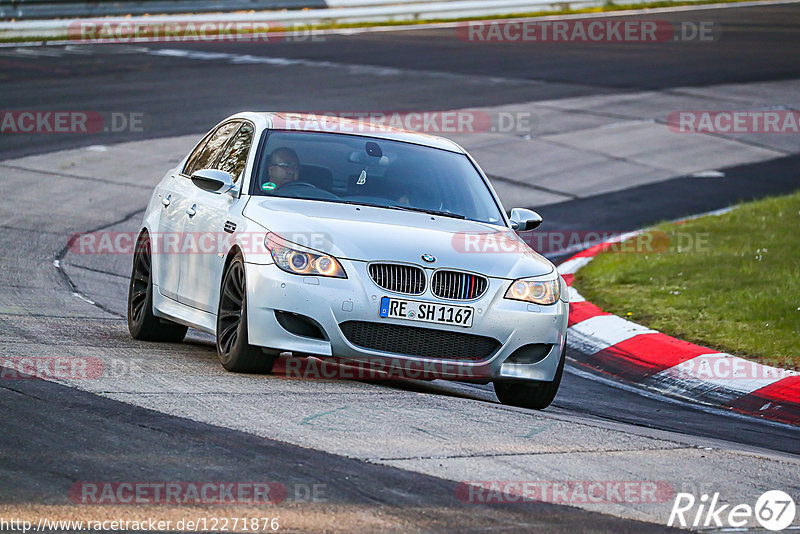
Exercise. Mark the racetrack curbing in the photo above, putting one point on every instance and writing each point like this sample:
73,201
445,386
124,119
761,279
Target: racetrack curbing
658,362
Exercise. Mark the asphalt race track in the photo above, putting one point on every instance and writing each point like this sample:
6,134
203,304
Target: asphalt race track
389,455
184,97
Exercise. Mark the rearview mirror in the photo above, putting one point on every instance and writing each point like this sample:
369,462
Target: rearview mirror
214,181
523,219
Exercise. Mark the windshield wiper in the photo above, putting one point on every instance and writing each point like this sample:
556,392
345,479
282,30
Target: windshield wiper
405,208
433,212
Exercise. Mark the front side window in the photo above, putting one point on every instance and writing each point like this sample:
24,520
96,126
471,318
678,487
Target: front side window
375,172
196,153
206,158
234,158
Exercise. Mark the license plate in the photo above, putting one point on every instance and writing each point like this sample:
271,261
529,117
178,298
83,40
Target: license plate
426,312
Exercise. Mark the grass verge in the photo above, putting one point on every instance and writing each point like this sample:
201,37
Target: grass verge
731,281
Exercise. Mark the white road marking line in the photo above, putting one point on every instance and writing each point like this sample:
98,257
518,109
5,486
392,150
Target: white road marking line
38,52
12,52
79,50
572,266
574,296
624,237
603,331
83,298
354,69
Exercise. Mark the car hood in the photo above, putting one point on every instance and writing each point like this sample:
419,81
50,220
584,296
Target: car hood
365,233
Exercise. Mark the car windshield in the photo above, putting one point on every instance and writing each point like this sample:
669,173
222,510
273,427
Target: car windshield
375,172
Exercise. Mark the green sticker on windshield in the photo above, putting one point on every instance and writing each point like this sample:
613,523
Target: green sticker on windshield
269,186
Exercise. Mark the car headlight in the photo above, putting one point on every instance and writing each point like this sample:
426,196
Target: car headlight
537,291
297,259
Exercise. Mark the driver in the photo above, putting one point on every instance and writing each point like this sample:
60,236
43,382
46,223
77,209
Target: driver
284,167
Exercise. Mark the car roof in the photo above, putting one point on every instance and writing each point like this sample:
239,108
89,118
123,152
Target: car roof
310,122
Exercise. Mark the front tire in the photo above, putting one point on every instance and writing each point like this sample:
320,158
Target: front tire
142,324
233,348
534,395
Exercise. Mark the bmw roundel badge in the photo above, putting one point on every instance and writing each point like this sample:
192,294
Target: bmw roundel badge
428,258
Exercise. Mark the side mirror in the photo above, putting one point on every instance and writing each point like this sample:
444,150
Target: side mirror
523,219
214,181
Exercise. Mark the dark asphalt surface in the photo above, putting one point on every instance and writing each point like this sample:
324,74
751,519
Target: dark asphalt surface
55,437
183,96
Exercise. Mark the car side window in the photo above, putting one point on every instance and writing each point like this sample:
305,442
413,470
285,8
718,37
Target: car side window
211,151
196,152
234,158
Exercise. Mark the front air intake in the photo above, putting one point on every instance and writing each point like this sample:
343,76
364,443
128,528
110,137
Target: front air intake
420,342
455,285
398,278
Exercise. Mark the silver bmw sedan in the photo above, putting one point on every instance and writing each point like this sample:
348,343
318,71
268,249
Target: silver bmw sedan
343,241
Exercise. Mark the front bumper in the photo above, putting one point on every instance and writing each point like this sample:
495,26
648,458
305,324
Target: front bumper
332,301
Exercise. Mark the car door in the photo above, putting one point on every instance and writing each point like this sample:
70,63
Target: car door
211,220
166,243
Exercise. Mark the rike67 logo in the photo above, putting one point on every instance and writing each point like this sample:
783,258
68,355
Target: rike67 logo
774,510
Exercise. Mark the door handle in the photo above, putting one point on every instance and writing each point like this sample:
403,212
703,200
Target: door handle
191,212
166,200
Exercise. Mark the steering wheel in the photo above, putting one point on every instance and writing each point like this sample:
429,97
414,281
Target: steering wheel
289,187
300,184
306,190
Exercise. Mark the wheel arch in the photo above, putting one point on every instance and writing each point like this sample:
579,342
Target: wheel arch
145,231
232,253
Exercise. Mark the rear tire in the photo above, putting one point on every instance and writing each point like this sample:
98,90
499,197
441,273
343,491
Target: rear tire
233,348
534,395
142,324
